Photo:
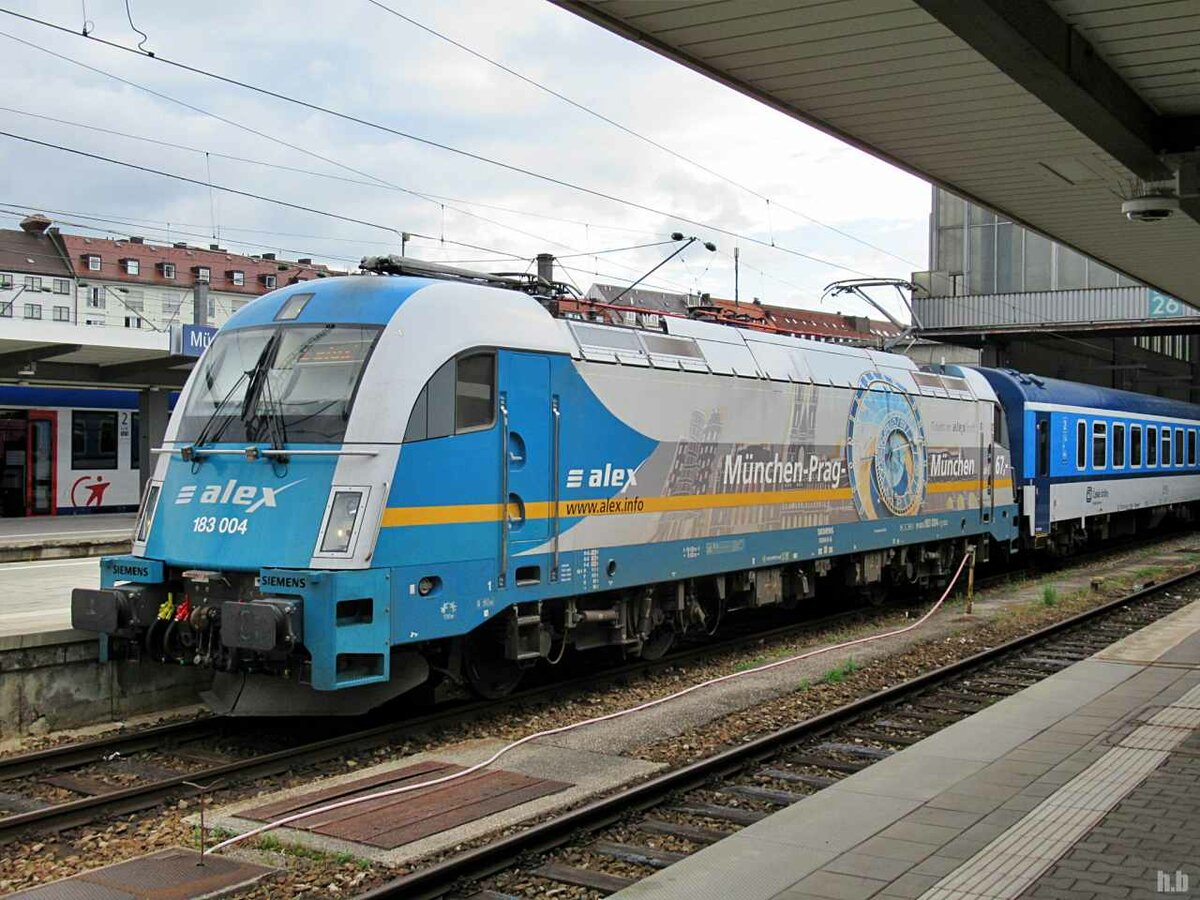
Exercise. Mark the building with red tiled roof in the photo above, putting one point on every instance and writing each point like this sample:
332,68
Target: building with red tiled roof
34,270
632,308
137,284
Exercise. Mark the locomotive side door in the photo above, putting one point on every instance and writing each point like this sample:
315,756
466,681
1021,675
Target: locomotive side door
527,484
1041,473
989,433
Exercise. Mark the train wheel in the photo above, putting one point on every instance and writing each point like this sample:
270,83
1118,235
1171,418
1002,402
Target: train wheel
659,642
486,670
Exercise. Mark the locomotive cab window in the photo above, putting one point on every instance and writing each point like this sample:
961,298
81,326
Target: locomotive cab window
291,382
1135,446
460,397
1099,445
1152,445
1179,446
1118,450
1081,444
475,392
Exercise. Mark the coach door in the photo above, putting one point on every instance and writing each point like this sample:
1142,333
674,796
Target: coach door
527,418
40,454
1041,473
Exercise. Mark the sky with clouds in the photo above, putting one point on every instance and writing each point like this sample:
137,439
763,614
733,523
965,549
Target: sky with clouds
358,59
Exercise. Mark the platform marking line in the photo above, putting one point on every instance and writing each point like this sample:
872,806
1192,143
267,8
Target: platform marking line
123,531
94,561
1012,862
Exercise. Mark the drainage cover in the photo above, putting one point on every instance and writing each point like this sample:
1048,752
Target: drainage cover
172,874
390,822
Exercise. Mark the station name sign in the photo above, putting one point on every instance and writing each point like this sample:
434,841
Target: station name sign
191,340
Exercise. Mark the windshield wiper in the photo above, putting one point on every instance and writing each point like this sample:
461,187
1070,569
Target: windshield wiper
261,391
202,437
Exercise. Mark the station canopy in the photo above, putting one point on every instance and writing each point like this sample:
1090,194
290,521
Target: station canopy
1051,112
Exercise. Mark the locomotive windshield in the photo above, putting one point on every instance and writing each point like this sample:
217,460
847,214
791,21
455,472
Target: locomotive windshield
283,383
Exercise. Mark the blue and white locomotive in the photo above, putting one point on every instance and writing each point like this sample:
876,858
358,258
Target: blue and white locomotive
373,482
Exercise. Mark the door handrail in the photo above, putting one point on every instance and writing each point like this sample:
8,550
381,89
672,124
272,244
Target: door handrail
554,464
502,577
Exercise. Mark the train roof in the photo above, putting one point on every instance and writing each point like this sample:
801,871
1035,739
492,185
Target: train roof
1013,386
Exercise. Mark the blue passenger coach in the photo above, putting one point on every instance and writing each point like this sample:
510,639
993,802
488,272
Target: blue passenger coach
371,482
1096,462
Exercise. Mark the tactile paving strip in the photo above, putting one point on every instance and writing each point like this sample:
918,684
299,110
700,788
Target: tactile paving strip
1012,862
172,874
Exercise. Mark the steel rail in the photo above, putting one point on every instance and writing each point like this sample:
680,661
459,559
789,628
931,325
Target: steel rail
79,753
87,809
500,854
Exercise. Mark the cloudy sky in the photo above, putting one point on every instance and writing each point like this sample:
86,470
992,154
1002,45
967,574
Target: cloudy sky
358,59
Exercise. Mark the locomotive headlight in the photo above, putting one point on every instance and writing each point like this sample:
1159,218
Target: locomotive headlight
339,528
146,513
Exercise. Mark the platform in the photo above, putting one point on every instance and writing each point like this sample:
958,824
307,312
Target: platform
35,601
55,537
1086,784
51,676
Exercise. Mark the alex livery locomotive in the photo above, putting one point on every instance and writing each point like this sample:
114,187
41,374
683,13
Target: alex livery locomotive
373,482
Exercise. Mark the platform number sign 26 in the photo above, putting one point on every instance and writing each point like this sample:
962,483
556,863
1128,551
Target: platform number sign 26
1164,306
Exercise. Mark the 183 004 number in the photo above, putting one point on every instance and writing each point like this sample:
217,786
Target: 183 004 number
222,525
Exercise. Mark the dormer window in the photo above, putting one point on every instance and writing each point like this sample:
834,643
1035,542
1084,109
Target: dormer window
203,273
93,262
168,270
237,277
131,266
269,281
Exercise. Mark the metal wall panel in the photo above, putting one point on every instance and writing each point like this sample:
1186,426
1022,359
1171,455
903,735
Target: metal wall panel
1119,304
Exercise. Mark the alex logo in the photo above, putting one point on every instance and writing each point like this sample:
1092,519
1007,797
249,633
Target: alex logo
609,476
248,495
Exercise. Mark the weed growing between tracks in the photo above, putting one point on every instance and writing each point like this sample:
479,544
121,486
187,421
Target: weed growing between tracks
854,679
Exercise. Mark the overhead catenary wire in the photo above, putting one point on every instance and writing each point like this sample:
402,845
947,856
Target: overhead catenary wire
369,181
500,256
550,732
441,145
277,140
439,202
583,107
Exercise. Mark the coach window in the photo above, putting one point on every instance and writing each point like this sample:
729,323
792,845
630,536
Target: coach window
1165,446
1135,446
93,440
1081,445
1118,446
1191,446
1179,446
1151,445
1099,445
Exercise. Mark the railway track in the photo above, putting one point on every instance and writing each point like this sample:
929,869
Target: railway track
108,761
108,776
596,846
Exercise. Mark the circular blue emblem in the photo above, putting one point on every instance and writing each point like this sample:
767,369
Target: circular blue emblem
885,449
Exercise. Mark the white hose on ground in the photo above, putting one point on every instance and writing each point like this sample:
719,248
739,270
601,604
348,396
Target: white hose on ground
433,782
